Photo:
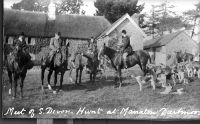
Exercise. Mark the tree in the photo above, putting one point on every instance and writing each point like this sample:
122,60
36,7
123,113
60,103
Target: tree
114,9
193,15
163,19
63,6
70,7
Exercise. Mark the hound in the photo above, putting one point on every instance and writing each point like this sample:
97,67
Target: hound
143,80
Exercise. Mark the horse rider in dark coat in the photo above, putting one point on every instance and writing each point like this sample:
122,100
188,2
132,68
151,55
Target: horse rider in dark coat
21,43
55,46
126,47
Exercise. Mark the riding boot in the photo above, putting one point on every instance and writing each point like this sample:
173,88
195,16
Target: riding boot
125,65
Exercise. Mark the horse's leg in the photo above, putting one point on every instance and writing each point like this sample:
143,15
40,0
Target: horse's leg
16,77
77,70
42,77
91,77
94,77
49,79
140,66
70,75
116,77
61,80
143,68
80,75
120,77
55,78
22,84
11,81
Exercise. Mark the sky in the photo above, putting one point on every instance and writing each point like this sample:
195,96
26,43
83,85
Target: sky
88,5
180,5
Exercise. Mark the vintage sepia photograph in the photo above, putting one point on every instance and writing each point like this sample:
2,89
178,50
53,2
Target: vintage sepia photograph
101,59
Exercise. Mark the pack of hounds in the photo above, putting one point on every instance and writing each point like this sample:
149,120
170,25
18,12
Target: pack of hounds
171,78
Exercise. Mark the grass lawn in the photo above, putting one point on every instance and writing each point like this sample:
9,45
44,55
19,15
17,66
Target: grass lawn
101,99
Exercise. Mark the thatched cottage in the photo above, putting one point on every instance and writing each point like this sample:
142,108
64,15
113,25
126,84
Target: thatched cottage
75,29
112,35
163,48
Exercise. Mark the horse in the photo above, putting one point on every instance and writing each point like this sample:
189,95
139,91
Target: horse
16,69
183,57
81,61
139,57
59,65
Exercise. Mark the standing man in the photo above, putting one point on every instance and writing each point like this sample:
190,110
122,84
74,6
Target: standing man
55,45
126,46
90,51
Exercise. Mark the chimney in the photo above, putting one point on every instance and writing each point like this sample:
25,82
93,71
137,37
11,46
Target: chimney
135,18
52,11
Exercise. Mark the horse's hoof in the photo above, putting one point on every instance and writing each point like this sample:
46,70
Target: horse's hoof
54,92
9,92
49,87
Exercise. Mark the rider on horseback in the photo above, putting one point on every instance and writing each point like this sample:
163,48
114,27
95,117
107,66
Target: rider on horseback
55,46
20,43
126,47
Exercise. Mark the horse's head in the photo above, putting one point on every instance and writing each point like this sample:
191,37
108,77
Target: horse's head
61,56
58,59
109,52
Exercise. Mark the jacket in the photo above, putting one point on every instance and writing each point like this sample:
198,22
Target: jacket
126,46
55,44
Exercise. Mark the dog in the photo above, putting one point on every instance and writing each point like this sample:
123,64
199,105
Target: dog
143,80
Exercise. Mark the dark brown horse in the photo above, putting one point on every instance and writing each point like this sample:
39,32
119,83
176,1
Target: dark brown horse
139,57
15,65
81,61
59,65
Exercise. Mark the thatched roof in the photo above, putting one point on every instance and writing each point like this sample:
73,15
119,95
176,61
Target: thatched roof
161,41
37,24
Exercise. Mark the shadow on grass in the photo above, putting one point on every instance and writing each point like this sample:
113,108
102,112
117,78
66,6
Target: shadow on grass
92,86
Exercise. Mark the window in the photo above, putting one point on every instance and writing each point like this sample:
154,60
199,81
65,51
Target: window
32,41
6,39
29,41
10,40
26,39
